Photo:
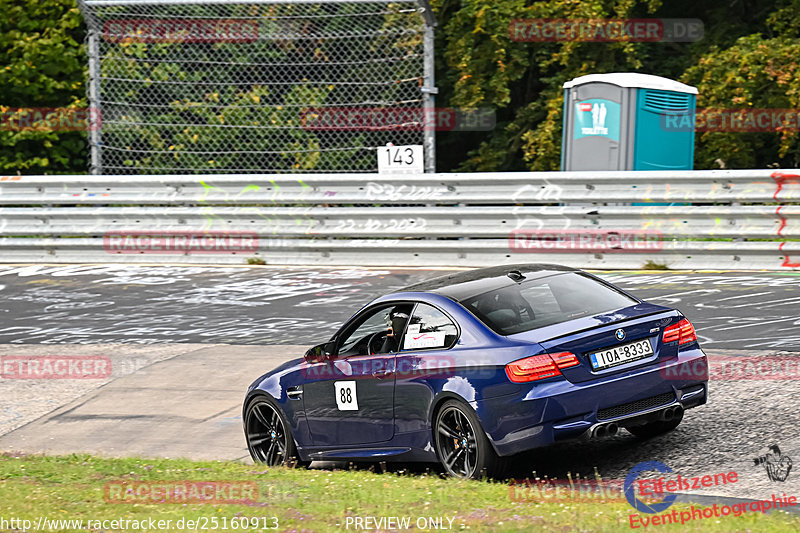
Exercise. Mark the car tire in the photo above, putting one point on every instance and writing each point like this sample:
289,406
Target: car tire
461,444
269,439
653,429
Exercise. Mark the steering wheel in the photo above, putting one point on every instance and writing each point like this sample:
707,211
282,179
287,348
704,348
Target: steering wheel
372,338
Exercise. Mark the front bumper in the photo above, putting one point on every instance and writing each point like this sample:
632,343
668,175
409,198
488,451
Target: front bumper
544,413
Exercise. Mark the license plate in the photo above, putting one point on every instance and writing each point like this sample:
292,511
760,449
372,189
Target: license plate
621,354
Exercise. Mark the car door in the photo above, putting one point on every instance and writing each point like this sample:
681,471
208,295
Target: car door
349,397
425,354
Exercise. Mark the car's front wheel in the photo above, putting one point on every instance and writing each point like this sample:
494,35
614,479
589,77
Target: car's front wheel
462,446
269,438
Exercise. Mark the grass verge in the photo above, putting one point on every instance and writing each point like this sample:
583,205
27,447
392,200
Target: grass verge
76,488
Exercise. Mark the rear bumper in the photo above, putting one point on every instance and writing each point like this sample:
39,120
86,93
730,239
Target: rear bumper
545,413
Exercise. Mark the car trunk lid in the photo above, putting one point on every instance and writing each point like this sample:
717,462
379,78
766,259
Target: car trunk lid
587,335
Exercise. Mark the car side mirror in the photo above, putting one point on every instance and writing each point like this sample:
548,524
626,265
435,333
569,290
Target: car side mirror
320,352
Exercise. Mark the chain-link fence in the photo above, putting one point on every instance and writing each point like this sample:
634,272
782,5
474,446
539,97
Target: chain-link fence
213,86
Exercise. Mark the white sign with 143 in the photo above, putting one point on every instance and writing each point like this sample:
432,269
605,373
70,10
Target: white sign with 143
401,159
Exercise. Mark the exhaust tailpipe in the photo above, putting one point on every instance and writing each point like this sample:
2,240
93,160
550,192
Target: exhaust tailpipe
605,430
671,413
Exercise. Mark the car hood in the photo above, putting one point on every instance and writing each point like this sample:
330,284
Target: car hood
278,372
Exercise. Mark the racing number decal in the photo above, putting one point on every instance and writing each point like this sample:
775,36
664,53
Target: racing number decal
346,399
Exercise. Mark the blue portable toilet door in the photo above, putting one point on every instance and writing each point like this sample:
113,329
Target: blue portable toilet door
664,130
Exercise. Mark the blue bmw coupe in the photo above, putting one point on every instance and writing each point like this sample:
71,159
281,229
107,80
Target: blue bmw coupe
472,368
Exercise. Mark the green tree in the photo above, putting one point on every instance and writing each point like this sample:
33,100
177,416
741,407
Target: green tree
759,71
43,66
747,47
747,59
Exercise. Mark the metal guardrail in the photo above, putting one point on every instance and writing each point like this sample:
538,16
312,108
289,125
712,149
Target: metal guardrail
502,188
745,219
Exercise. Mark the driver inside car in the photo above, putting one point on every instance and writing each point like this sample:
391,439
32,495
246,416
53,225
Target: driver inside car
396,322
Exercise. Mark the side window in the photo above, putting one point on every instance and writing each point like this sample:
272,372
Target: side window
374,333
429,328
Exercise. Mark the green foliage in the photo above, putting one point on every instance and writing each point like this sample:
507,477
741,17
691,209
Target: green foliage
757,72
42,64
218,105
747,59
523,80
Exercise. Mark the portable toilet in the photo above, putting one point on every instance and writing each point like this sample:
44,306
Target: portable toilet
628,121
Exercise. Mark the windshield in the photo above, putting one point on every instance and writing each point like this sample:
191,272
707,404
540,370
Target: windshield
545,301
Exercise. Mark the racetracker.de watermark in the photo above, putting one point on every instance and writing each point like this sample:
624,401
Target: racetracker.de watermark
397,119
54,367
184,30
46,119
735,368
181,492
605,30
585,240
404,367
171,242
567,490
736,120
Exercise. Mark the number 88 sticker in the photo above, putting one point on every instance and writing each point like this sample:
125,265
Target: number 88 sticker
346,399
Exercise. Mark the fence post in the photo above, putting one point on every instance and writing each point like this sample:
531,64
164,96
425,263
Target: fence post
429,89
95,119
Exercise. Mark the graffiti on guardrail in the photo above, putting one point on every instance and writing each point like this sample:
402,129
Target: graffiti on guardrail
739,219
409,193
381,225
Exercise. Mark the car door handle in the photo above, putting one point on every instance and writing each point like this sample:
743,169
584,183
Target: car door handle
380,374
294,393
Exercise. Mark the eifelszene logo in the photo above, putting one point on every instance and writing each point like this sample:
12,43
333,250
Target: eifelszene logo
630,492
775,463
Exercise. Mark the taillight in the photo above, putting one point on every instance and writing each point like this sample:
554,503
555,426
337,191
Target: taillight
682,332
687,332
540,367
565,359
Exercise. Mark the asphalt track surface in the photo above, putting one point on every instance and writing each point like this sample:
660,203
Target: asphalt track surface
125,304
178,377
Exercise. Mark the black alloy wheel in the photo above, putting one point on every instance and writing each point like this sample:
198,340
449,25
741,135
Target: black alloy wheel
268,438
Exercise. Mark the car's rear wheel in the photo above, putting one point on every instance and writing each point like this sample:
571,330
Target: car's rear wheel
269,438
653,429
462,446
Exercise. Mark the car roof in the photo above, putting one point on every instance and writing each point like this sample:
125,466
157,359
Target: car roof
463,285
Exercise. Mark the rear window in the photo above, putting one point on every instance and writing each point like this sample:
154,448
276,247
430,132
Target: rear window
545,301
